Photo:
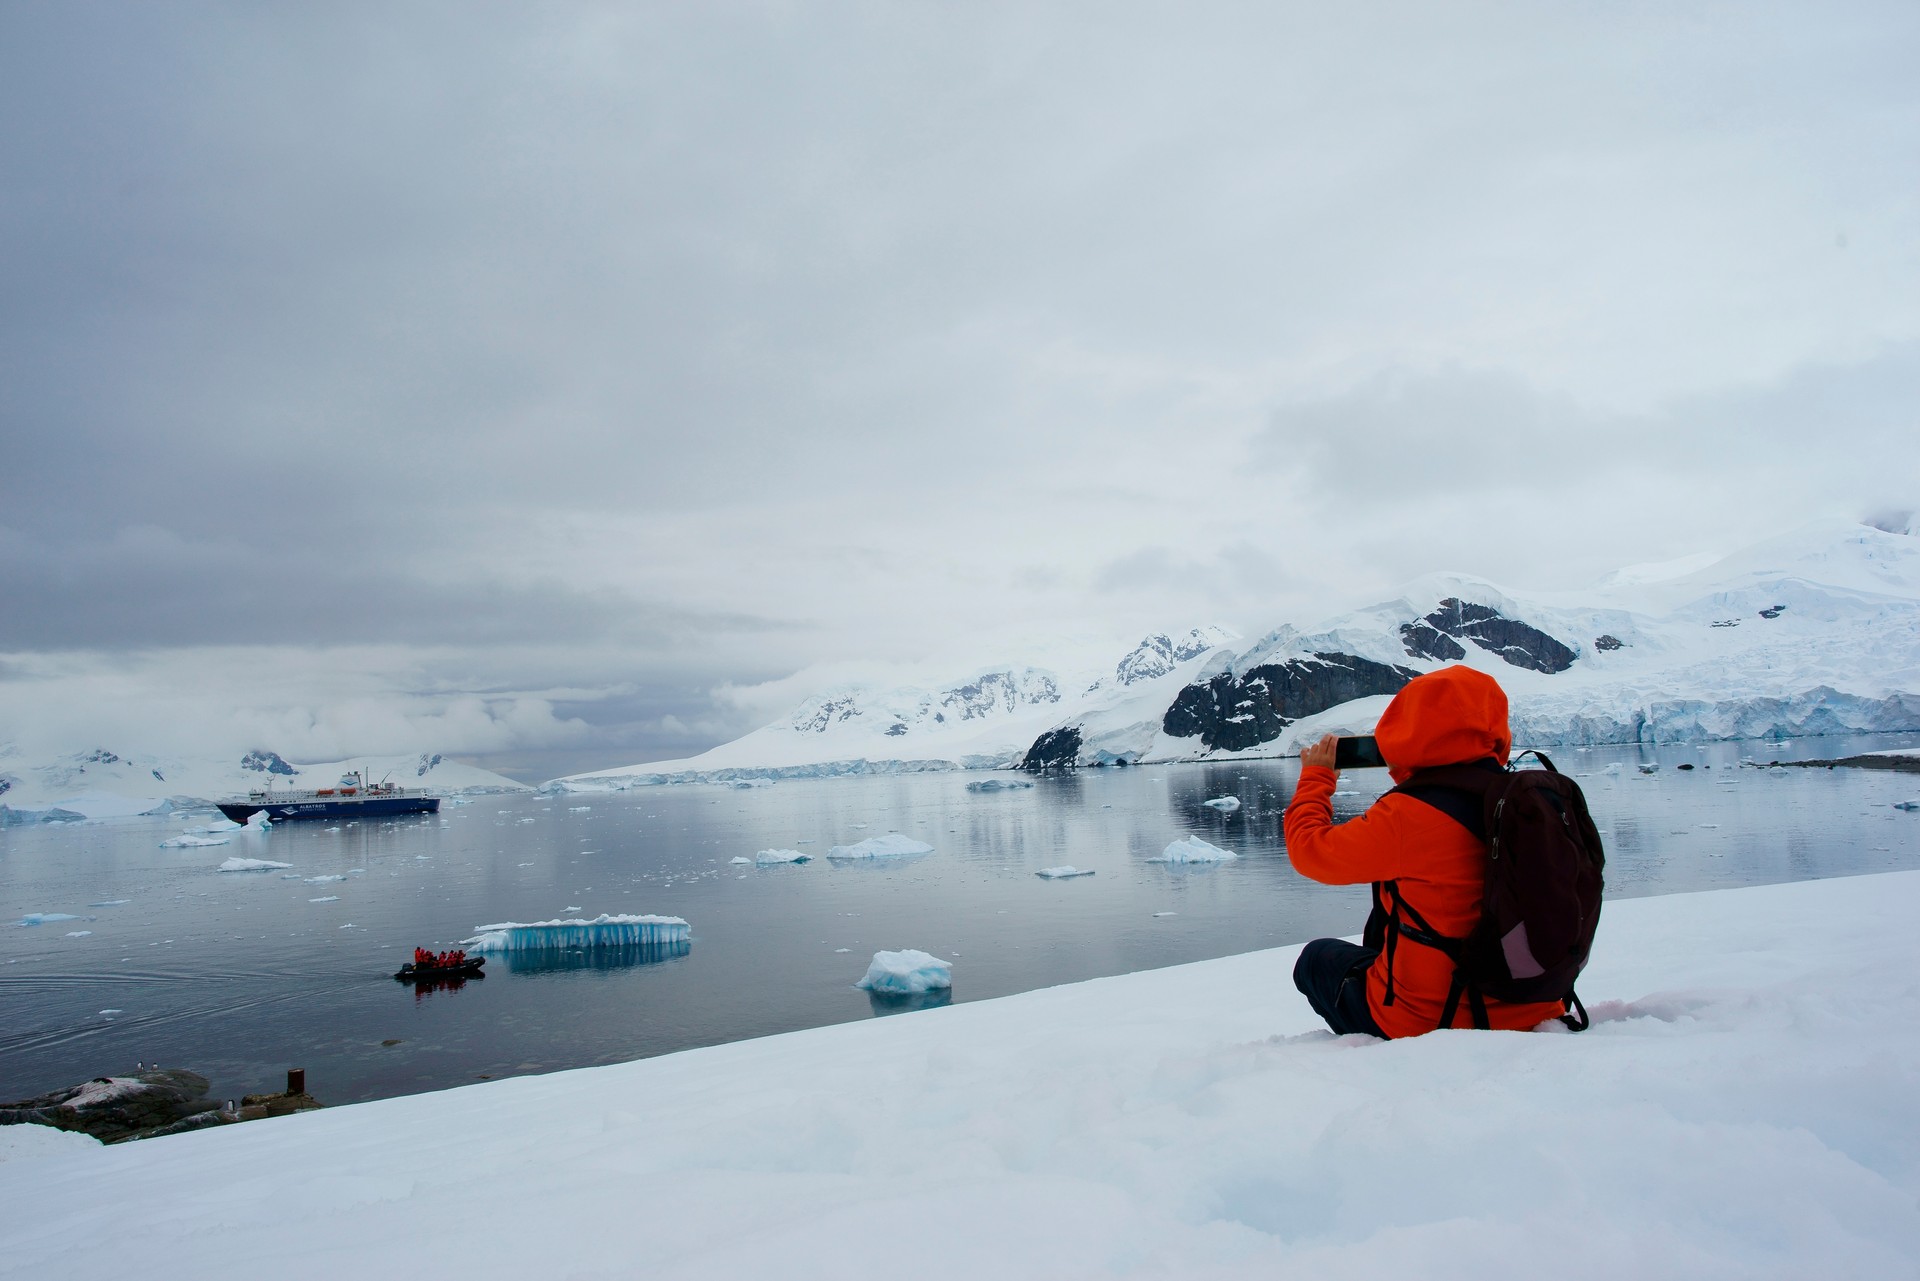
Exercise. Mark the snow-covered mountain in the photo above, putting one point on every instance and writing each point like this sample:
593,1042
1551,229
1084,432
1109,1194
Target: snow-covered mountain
1815,631
106,784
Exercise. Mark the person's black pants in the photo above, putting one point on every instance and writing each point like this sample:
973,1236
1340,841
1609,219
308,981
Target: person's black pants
1332,975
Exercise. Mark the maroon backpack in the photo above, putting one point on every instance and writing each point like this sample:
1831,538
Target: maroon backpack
1542,900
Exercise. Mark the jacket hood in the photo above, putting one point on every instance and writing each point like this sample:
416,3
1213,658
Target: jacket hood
1448,717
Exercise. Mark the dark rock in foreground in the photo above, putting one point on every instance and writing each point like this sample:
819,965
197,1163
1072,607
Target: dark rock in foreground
1055,749
144,1105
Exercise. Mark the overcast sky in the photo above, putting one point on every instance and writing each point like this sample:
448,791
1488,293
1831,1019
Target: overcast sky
552,384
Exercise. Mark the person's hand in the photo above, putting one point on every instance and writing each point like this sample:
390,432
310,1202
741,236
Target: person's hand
1321,753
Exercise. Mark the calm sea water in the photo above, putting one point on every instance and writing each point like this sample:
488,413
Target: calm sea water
240,976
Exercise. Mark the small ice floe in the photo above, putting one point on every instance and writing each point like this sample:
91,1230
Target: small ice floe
46,918
111,1013
744,784
892,845
1063,872
579,809
111,902
1225,804
1166,913
330,898
998,784
214,828
78,934
1193,850
1614,770
1912,803
575,907
906,973
189,841
739,858
1707,825
765,857
602,931
252,865
1648,769
322,880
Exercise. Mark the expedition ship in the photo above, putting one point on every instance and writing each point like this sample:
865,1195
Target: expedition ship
353,798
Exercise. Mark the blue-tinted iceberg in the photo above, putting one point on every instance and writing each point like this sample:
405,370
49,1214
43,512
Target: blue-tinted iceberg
906,973
601,931
781,856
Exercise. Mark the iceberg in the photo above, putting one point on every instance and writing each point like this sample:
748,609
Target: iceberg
997,785
259,821
781,856
906,973
1193,850
190,841
602,931
252,865
1225,804
892,845
1062,873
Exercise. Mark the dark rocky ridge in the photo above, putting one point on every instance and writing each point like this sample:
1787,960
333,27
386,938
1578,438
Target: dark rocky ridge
1055,749
1517,643
145,1105
1232,713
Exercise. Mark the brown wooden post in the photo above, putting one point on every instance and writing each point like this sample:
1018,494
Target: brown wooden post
296,1080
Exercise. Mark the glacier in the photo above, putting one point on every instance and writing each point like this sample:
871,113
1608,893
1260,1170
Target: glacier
1814,631
601,931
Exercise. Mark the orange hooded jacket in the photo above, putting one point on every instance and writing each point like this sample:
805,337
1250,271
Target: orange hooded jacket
1448,717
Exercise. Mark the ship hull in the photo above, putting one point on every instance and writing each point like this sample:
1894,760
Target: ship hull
369,807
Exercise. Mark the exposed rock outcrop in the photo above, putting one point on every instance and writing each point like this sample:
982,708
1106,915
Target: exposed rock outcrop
1518,643
1232,713
1608,643
144,1105
1055,749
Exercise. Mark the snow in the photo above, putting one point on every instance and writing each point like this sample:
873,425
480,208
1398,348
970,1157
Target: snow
190,841
601,931
251,865
781,856
1225,804
1193,850
19,1143
906,973
1742,1107
1063,872
892,845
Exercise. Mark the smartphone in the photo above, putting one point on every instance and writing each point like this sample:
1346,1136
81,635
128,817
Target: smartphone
1358,753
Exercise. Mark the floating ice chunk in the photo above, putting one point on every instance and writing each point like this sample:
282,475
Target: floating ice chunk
892,845
573,907
1062,873
1193,850
217,826
1649,769
322,880
783,856
189,841
111,902
46,918
906,973
1912,804
602,931
1613,770
1166,913
1225,804
259,822
739,858
331,898
998,784
78,934
252,865
579,809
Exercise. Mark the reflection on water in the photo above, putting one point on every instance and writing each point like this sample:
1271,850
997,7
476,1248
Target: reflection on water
904,1002
239,977
620,956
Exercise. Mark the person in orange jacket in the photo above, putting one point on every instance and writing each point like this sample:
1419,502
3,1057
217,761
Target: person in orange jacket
1452,716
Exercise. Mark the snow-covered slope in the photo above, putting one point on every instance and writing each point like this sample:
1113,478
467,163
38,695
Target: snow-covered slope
1743,1106
106,784
1815,631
